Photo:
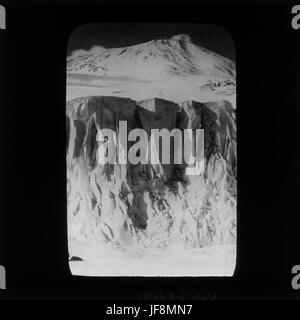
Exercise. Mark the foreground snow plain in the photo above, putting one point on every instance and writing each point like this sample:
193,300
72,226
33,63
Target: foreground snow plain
175,261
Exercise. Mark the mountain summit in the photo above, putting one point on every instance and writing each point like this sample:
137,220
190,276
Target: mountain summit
174,69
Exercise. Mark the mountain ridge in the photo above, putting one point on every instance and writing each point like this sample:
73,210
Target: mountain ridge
180,53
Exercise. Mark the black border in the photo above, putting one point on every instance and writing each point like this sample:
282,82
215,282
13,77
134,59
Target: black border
35,254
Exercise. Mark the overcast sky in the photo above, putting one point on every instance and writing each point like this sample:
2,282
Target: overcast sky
113,35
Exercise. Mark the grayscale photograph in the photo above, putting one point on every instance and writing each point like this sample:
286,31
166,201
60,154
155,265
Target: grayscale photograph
151,150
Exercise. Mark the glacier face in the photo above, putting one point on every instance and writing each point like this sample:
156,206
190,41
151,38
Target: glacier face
150,208
151,219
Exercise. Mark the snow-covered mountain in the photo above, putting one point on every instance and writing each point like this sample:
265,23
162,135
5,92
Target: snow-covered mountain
174,69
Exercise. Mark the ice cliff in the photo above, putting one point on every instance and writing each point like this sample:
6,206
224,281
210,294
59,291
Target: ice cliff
150,207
